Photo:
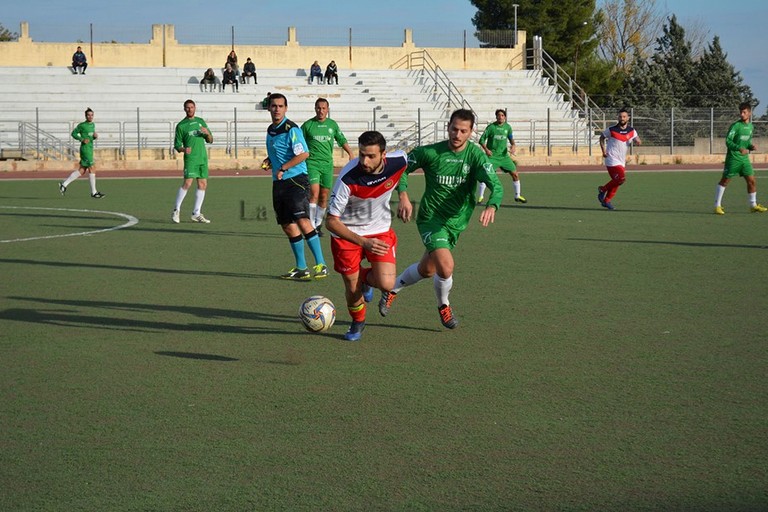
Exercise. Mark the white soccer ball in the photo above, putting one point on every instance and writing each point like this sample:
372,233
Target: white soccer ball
317,313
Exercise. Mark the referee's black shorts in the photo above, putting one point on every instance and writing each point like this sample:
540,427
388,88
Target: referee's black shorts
290,199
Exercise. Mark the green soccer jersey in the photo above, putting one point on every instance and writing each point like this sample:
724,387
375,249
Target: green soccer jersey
739,137
188,135
83,131
451,179
320,137
495,138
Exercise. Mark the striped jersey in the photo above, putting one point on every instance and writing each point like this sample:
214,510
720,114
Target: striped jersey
617,141
361,200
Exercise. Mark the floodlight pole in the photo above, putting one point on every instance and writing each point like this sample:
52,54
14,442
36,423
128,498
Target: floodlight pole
514,37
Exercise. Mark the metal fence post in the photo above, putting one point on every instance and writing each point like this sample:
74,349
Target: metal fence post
37,131
589,129
138,132
418,125
672,131
549,133
235,133
711,130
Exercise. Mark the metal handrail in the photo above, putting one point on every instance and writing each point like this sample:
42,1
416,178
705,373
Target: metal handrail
46,144
423,61
538,59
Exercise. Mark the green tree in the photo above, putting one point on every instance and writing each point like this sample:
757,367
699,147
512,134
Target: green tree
7,35
627,30
567,28
716,83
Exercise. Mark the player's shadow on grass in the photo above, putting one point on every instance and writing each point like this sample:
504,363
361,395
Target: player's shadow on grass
670,242
68,318
195,355
191,272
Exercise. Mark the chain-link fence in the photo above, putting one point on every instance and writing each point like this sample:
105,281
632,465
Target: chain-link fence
700,129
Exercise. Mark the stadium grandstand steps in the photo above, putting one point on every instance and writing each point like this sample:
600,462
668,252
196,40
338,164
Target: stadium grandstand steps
391,101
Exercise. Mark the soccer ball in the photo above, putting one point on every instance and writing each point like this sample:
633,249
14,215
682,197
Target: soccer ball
317,313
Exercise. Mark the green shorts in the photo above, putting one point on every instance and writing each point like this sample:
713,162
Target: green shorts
86,159
321,173
435,235
505,163
197,170
735,168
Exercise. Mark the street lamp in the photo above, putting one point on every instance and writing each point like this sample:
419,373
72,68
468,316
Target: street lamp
514,37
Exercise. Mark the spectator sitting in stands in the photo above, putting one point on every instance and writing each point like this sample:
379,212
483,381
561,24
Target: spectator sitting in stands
316,71
331,71
229,78
249,70
79,61
232,59
209,79
265,101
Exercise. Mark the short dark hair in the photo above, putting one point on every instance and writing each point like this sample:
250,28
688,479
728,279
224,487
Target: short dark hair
372,138
88,110
745,105
322,100
503,111
189,101
463,114
623,109
277,96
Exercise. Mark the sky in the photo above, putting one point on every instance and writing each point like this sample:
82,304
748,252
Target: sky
740,26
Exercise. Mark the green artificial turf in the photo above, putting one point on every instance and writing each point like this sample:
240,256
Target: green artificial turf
604,361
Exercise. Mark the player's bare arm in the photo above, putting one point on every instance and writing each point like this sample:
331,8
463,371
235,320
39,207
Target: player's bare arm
404,208
488,216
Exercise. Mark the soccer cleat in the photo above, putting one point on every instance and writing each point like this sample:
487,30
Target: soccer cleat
62,188
355,331
521,199
320,271
97,195
607,204
297,274
758,208
385,303
367,292
200,218
175,217
480,200
446,317
719,210
601,196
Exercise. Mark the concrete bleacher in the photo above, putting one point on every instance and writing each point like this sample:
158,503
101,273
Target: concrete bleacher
139,107
530,101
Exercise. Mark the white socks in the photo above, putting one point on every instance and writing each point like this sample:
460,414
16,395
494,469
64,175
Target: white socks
516,184
480,189
72,177
92,181
719,191
319,214
408,277
313,213
442,289
180,195
199,197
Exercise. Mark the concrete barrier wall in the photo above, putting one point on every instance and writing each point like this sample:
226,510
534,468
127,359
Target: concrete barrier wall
163,50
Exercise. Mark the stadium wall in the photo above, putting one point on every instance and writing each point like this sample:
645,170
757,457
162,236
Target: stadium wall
163,50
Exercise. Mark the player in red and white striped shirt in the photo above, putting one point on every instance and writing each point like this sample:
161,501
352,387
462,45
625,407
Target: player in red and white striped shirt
360,222
614,142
